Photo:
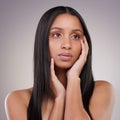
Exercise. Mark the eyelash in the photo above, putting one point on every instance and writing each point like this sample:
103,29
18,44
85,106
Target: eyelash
57,35
76,35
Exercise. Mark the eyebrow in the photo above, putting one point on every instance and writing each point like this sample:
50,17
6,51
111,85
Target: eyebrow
58,28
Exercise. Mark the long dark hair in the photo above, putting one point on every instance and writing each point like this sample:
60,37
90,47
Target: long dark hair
41,87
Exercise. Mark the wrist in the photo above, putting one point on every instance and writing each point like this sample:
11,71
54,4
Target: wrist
73,78
60,99
73,83
61,95
72,75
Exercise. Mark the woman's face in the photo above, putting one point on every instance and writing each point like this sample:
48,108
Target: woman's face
64,40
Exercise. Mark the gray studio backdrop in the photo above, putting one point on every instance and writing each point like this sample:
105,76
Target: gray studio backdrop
18,22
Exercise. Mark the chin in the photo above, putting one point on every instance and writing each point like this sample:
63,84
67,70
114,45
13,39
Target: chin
64,65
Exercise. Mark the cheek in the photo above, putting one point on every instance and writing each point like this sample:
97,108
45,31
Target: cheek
77,50
51,52
52,49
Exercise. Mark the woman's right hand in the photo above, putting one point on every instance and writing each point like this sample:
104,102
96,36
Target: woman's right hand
57,87
59,92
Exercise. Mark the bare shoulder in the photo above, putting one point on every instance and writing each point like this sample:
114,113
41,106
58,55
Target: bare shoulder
16,103
102,101
103,85
103,88
21,95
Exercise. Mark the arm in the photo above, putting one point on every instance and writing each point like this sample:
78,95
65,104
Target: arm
59,92
58,109
15,107
102,101
74,108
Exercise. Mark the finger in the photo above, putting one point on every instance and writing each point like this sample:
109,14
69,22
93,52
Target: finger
53,75
86,44
83,46
52,67
52,64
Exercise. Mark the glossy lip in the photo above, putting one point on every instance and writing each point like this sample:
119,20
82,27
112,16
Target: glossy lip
65,56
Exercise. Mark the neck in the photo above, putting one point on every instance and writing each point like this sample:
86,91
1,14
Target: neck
61,75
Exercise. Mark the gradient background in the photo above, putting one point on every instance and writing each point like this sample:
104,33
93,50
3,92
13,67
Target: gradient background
18,22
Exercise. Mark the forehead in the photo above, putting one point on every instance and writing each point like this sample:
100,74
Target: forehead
66,21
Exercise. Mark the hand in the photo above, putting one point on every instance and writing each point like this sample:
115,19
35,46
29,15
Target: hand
77,67
57,87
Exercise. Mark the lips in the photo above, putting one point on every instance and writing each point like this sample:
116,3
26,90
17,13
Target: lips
65,56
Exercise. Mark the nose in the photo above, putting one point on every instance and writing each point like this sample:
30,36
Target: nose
66,44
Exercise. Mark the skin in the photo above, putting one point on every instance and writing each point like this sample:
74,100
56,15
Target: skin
68,49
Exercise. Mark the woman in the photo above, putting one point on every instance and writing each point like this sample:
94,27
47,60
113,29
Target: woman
64,87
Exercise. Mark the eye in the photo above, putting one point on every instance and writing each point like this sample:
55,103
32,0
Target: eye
56,35
75,37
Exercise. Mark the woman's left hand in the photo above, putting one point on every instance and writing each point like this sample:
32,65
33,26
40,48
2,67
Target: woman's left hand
77,67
